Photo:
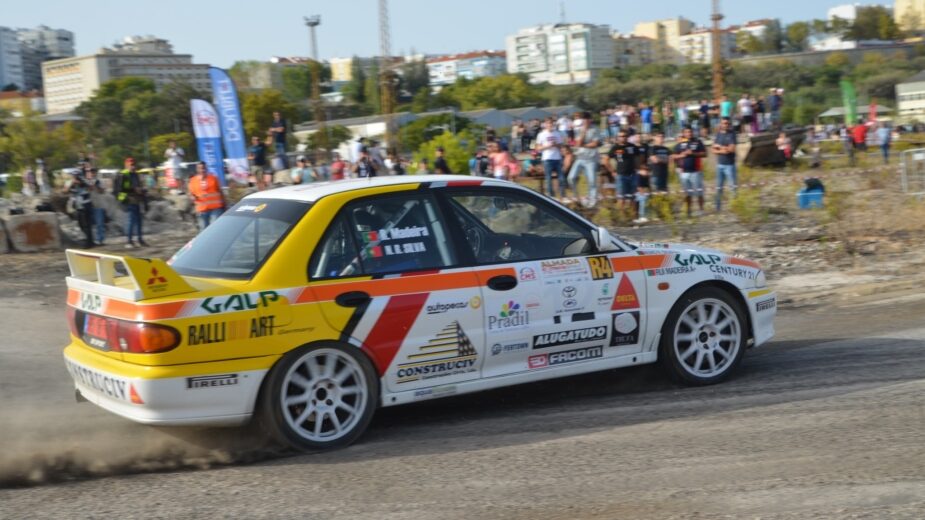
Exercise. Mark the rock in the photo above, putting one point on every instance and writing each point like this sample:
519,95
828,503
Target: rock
33,232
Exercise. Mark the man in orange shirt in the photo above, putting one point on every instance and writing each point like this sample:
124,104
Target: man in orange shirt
206,192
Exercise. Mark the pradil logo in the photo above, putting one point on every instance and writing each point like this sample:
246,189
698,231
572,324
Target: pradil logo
509,309
511,316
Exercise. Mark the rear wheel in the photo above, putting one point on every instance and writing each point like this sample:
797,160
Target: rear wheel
319,397
704,337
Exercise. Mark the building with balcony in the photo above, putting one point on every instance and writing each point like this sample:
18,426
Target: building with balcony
445,70
561,54
666,38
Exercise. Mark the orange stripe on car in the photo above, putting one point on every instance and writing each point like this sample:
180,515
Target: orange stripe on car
404,285
734,260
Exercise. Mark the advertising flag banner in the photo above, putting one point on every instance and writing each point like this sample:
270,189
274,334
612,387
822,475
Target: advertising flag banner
225,99
850,101
208,137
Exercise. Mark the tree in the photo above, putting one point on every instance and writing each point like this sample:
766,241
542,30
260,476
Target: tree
242,71
257,110
798,36
506,91
837,59
415,77
28,138
355,90
11,87
457,149
772,39
419,131
748,43
297,81
872,23
371,90
336,135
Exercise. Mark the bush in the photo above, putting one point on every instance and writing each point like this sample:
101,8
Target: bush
457,149
13,185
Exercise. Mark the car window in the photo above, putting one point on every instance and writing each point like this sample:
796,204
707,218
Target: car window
384,235
505,227
236,244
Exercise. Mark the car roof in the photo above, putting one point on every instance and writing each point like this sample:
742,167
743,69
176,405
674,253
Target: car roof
314,191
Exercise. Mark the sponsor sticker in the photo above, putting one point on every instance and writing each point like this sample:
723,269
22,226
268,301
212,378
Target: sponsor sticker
527,274
739,272
440,308
601,268
511,317
156,282
564,357
432,393
90,302
238,302
230,330
211,381
448,353
625,329
667,271
563,267
506,348
569,337
626,297
766,305
108,385
697,259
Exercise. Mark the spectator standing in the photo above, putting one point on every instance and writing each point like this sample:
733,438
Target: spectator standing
564,126
500,161
548,143
725,108
587,142
847,144
355,148
645,115
79,192
516,133
173,156
761,117
688,155
440,165
683,114
785,147
338,168
625,156
98,200
704,114
884,139
776,104
43,184
364,167
131,194
613,122
278,129
303,173
746,114
724,147
659,157
257,155
206,192
423,167
859,136
394,165
668,116
643,186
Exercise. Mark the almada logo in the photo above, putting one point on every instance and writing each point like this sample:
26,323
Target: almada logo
449,353
511,317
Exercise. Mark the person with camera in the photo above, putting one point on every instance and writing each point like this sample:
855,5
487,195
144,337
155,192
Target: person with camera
364,166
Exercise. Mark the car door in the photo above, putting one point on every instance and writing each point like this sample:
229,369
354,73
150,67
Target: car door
396,287
561,302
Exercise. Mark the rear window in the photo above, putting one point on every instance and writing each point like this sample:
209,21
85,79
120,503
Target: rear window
237,244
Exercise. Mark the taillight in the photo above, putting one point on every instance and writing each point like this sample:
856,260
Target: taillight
146,338
122,336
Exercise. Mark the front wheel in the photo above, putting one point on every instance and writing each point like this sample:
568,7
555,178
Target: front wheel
319,397
704,337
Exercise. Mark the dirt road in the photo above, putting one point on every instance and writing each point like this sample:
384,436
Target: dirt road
825,422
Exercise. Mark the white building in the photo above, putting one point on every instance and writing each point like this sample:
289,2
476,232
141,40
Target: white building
910,99
697,47
561,54
666,37
847,12
756,28
71,81
41,44
10,59
445,70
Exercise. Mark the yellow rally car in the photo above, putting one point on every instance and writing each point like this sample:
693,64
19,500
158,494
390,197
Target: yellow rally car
310,306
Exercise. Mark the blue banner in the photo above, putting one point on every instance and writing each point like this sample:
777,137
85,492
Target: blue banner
225,99
208,137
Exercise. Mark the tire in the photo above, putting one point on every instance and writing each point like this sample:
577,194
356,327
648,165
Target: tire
319,397
704,337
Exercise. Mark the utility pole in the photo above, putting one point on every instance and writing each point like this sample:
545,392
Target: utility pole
313,22
387,77
717,47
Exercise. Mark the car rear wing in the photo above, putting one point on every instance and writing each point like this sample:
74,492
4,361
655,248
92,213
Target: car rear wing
123,277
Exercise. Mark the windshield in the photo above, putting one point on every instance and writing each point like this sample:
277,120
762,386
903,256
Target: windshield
237,244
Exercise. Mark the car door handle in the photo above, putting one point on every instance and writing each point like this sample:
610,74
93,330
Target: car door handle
352,299
503,282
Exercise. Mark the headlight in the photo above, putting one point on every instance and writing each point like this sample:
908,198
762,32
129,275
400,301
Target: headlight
761,280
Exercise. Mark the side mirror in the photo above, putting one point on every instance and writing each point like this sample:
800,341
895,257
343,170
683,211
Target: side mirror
604,241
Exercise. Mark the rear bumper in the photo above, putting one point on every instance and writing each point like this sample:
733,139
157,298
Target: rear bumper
762,308
219,393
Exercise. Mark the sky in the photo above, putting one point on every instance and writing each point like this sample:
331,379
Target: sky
220,32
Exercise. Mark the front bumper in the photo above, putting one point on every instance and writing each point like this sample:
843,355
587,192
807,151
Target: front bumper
762,308
219,393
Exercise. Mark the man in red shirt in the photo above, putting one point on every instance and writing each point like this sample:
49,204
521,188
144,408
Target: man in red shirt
206,192
338,167
859,136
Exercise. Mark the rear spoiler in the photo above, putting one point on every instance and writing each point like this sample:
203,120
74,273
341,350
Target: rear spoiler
123,277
